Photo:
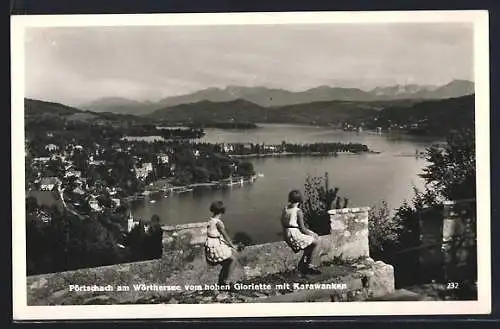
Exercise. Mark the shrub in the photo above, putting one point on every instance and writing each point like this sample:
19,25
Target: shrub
318,199
242,238
384,230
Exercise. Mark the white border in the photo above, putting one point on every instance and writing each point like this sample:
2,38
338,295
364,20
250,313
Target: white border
21,311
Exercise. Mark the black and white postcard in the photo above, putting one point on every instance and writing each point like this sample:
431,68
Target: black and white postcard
250,164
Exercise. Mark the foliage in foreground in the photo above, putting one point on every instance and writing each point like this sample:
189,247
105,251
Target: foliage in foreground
318,199
58,240
384,230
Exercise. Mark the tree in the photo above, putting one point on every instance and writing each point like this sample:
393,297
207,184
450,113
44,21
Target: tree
55,168
452,171
245,169
319,198
136,242
384,230
154,239
225,170
201,174
31,204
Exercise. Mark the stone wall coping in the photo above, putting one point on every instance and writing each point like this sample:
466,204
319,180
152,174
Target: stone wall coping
97,269
168,228
348,210
93,270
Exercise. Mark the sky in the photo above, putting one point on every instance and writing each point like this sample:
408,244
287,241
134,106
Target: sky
75,65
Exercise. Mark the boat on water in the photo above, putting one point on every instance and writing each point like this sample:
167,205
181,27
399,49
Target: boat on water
409,155
152,201
260,175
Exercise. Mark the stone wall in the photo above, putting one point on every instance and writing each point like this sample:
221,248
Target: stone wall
182,237
348,239
183,263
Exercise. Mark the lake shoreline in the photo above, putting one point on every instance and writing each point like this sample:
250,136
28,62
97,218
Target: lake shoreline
285,154
177,189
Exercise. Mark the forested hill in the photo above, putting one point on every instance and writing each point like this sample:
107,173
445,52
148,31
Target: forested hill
207,111
38,108
244,111
430,117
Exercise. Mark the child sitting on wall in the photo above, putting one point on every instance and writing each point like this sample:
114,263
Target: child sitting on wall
297,235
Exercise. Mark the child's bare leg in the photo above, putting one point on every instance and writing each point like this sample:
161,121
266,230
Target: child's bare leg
222,273
231,267
309,251
312,252
227,270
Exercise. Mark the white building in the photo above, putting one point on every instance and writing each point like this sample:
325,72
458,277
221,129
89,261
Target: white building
141,173
147,166
228,148
49,183
131,223
94,205
163,158
51,147
97,162
41,159
73,173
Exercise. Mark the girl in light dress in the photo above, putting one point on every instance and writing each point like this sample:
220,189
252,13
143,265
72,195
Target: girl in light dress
218,246
297,235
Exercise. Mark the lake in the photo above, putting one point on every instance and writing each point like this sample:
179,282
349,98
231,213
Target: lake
365,179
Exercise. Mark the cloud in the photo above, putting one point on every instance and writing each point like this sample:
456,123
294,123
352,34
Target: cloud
81,64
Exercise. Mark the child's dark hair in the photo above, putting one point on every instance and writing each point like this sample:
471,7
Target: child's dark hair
217,207
294,196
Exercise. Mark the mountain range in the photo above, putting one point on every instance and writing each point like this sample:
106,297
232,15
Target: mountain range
268,97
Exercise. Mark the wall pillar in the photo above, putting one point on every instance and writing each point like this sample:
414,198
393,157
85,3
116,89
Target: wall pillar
459,241
348,239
